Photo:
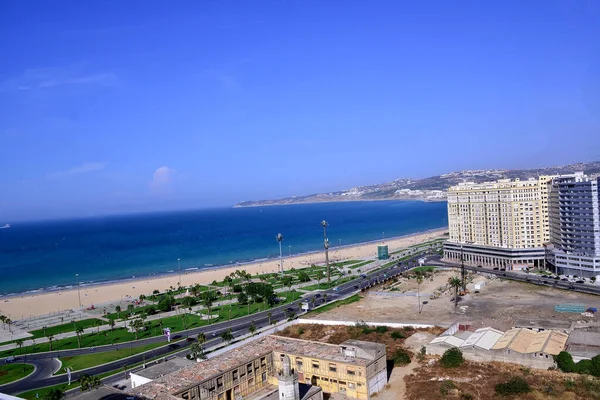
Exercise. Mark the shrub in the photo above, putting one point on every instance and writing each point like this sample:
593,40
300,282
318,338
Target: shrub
300,331
401,357
446,387
452,358
397,335
565,362
381,329
584,367
466,396
150,310
515,385
165,304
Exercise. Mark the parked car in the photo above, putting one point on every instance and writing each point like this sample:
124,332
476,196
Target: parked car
9,359
363,276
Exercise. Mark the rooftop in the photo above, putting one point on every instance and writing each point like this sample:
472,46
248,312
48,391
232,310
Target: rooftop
160,369
484,338
525,341
542,324
196,373
583,338
105,393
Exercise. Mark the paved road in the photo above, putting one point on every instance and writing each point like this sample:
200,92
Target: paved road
238,326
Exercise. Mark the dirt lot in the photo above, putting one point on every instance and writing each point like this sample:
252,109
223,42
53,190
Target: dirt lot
478,381
497,304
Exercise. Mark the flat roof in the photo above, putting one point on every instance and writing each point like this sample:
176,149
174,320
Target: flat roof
449,340
158,370
332,352
542,323
584,338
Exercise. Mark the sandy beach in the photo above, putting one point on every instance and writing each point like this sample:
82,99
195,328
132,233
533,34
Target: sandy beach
44,303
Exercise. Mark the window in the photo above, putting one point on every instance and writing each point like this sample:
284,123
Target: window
351,372
315,364
219,382
351,385
332,368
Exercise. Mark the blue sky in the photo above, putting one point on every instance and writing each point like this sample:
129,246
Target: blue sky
122,106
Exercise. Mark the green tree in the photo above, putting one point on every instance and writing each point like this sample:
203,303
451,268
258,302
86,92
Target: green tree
111,323
320,275
565,362
252,328
513,386
19,344
165,304
201,338
50,339
137,325
89,382
242,298
188,301
227,336
303,277
208,303
452,358
455,283
401,357
269,314
54,394
196,350
287,282
78,333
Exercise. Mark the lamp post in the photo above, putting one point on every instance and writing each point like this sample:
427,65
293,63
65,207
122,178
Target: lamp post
324,224
179,269
279,238
78,292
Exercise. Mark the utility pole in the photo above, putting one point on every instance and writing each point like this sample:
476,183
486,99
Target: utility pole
324,224
179,268
279,238
462,269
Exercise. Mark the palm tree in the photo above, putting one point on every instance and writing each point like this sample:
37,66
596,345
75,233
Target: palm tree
208,304
50,339
106,336
227,336
201,339
419,281
287,282
117,310
89,382
319,277
111,323
196,350
325,297
269,314
455,283
324,224
252,328
8,322
2,319
98,325
54,394
19,344
79,332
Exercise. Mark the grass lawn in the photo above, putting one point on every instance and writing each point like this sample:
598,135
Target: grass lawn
68,327
77,363
12,372
424,268
360,264
335,304
324,285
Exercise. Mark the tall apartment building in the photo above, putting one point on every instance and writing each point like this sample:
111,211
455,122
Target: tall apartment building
575,225
501,224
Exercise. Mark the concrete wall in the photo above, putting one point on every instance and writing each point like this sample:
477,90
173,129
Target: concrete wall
481,355
352,323
377,383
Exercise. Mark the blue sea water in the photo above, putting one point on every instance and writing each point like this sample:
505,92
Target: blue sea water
48,254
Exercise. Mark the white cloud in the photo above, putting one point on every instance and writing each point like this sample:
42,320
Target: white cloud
162,177
80,169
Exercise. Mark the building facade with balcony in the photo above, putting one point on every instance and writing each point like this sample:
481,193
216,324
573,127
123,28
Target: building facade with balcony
501,224
574,213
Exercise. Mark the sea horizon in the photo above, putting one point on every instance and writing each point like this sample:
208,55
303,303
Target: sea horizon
133,246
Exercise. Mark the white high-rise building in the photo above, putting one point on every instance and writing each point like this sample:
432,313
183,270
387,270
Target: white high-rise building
501,224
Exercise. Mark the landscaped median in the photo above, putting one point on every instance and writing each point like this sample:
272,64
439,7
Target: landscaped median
12,372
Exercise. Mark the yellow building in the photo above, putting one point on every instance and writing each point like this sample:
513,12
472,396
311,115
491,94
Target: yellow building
252,371
501,224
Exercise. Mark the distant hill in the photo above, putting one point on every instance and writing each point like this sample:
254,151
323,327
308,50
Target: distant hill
427,189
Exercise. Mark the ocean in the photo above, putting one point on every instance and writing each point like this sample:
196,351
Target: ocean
46,255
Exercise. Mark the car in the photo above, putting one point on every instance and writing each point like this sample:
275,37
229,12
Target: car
556,277
336,289
9,359
564,279
502,269
579,281
190,339
317,295
496,268
363,276
356,287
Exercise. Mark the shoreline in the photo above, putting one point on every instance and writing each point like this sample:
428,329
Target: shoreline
48,300
425,200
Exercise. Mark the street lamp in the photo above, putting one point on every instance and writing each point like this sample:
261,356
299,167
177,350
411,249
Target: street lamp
279,238
179,268
78,292
324,224
462,269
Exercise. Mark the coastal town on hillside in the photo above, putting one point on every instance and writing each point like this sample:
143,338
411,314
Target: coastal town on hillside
501,302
